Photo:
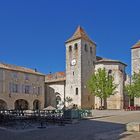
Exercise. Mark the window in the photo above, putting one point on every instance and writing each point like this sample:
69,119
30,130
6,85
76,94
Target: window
13,88
70,48
75,46
34,90
121,70
90,49
86,49
110,71
26,76
10,87
39,90
27,89
14,75
37,78
76,91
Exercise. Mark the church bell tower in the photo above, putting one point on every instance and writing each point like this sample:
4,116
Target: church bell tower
135,53
80,64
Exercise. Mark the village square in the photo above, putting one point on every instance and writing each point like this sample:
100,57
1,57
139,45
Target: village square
94,97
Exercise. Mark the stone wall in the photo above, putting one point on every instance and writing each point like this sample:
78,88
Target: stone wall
52,91
73,72
87,64
9,77
115,101
135,60
77,75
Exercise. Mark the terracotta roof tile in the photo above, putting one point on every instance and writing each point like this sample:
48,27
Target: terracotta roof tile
55,77
137,45
79,33
18,68
101,60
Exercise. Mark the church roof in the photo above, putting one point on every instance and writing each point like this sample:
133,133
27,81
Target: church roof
79,33
101,60
18,68
55,77
137,45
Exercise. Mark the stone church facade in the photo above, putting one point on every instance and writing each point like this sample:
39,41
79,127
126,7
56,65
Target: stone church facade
81,63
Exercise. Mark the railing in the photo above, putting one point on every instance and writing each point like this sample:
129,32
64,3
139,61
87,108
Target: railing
40,116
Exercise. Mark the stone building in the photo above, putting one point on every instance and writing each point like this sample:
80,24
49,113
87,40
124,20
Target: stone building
81,63
117,69
21,88
135,64
55,89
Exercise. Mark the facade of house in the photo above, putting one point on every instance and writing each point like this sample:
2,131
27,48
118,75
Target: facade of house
21,88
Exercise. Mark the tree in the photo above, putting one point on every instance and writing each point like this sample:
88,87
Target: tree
101,84
133,88
136,83
130,91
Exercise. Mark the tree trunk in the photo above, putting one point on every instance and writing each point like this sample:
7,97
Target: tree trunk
105,103
101,102
129,101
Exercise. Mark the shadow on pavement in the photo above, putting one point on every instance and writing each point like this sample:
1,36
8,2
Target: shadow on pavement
84,130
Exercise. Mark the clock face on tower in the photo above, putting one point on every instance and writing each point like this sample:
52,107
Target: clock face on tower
73,62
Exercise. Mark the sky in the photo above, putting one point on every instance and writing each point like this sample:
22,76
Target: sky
33,32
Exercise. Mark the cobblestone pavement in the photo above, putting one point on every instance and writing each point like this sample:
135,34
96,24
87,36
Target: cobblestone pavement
106,125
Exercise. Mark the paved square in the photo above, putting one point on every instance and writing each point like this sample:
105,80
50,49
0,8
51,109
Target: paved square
107,125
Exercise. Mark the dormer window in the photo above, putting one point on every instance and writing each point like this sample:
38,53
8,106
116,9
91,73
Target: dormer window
75,46
70,48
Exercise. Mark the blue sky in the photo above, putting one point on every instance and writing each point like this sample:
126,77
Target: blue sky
33,32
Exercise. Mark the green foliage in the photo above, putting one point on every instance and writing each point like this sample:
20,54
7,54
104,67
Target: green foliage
133,89
101,84
68,99
130,90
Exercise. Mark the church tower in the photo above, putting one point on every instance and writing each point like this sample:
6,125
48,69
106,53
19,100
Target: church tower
135,54
80,64
135,64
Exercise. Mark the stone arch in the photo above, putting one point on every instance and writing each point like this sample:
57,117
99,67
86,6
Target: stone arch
3,105
21,104
36,105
